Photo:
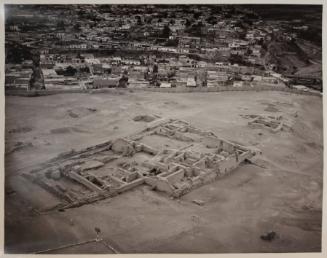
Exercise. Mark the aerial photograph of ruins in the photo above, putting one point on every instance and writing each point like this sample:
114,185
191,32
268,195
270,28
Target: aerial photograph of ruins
163,129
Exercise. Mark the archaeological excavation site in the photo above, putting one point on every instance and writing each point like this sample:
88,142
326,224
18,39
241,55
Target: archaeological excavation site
147,172
170,156
268,122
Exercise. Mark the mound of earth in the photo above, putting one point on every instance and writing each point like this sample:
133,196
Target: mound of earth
19,146
144,118
20,130
271,108
63,130
80,112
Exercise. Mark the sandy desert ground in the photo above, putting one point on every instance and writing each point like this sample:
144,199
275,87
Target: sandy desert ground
281,191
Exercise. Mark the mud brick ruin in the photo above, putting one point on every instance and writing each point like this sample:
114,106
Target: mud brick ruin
169,155
272,123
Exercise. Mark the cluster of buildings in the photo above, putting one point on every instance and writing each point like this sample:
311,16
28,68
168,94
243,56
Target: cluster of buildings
82,46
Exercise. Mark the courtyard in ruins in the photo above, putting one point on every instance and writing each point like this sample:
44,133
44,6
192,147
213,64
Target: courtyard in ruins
163,172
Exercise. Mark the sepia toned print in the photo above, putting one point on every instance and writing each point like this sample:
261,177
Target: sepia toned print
163,129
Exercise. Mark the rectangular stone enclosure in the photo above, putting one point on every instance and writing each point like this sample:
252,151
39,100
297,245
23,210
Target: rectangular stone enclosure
169,155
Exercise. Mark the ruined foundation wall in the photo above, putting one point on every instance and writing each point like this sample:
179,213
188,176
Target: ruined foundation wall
175,171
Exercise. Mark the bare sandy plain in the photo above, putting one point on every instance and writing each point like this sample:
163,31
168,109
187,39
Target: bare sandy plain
281,191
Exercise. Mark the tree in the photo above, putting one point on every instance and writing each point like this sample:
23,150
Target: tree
123,81
166,32
172,43
84,69
247,21
236,59
164,15
252,16
77,27
97,231
155,68
70,71
240,24
216,9
172,15
16,53
139,20
171,73
249,51
196,29
196,15
212,20
60,25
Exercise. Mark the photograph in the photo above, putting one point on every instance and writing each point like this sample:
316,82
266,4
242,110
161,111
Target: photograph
163,128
